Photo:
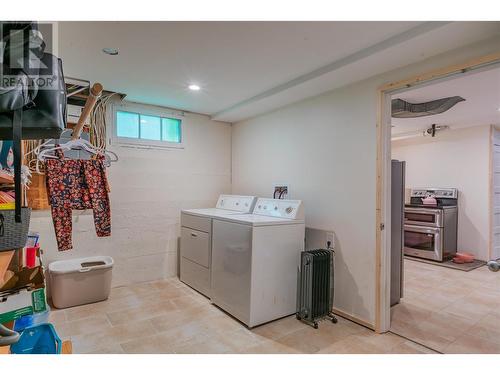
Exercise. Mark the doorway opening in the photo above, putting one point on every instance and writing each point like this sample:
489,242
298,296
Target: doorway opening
442,185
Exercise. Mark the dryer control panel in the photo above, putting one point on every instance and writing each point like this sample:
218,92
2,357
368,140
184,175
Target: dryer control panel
240,203
289,209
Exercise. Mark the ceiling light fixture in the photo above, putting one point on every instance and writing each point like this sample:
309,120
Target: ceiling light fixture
194,87
110,51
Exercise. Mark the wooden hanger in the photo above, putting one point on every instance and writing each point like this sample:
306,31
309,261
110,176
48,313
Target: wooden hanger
95,94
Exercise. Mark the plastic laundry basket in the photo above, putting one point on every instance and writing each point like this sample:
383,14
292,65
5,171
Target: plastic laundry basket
80,281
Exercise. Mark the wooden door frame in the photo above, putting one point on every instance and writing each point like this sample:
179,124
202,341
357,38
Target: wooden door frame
491,174
491,191
383,208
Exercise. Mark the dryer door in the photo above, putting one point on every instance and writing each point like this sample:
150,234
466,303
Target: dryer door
231,268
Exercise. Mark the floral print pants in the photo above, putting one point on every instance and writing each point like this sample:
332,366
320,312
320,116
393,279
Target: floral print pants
77,185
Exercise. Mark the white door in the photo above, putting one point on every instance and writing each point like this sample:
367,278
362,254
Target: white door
495,201
231,268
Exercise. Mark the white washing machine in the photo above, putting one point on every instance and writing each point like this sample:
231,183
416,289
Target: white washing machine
196,238
255,259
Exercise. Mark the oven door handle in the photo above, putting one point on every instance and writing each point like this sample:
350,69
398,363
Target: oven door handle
421,229
422,224
424,210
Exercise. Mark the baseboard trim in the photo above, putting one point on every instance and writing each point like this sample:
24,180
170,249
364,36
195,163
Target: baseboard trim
354,319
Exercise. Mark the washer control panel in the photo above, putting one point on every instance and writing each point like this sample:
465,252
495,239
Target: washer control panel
240,203
289,209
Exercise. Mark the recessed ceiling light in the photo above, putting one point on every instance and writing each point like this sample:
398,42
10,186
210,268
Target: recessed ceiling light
110,51
194,87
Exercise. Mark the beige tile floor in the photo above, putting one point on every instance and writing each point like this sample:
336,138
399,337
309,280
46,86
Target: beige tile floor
169,317
449,310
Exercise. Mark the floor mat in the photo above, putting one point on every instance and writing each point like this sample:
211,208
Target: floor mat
449,264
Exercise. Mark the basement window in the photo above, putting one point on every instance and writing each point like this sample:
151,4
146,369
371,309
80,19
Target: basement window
137,128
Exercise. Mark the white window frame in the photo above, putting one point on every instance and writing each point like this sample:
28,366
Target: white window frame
146,110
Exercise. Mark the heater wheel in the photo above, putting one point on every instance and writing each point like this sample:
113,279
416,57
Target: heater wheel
315,325
333,318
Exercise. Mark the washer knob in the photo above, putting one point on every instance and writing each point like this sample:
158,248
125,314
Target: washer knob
289,210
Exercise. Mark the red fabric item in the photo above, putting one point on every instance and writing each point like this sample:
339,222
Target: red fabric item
74,184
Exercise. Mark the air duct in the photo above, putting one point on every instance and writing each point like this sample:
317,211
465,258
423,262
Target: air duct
404,109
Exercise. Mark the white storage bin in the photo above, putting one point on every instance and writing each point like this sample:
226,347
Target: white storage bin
80,281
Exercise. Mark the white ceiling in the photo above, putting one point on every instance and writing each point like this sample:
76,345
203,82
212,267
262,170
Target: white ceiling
481,91
248,68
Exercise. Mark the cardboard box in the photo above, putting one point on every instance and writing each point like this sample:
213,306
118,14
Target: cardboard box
23,294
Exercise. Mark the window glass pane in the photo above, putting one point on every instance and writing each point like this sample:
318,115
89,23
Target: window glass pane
150,127
127,124
171,130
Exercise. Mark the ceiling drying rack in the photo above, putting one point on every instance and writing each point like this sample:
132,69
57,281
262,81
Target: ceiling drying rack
95,93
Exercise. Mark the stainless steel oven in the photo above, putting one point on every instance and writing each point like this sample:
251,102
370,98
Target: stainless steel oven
430,231
423,242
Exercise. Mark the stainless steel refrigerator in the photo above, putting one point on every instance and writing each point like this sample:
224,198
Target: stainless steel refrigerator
397,229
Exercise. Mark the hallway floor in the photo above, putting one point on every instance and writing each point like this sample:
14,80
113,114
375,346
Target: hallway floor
449,310
169,317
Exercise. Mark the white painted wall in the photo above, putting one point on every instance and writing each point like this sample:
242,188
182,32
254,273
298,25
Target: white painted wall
148,190
325,148
456,158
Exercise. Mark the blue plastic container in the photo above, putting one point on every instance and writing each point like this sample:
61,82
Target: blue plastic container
40,339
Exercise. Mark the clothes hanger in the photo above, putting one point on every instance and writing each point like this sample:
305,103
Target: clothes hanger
95,93
39,148
76,142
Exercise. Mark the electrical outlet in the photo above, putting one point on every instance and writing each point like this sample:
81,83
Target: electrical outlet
330,240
